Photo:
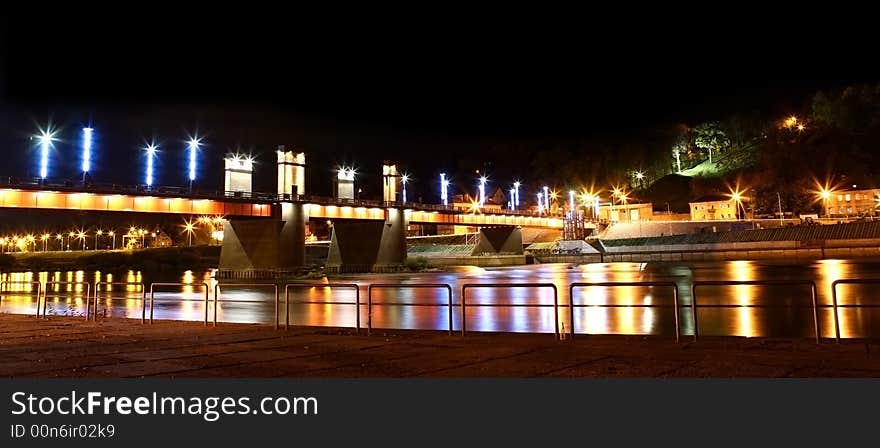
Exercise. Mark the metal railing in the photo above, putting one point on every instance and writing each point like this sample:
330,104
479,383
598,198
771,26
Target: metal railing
251,285
810,283
835,305
445,286
356,303
143,296
467,286
5,283
572,305
192,285
87,297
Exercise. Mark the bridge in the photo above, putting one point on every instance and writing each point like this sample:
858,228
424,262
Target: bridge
267,231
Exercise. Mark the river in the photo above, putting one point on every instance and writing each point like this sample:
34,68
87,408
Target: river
781,311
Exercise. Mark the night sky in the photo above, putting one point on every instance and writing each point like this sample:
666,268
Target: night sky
433,100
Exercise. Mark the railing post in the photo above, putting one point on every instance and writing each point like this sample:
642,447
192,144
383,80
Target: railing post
463,310
369,310
675,304
694,309
813,292
836,317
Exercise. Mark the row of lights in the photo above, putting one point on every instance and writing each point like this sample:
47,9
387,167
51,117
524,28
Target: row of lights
46,137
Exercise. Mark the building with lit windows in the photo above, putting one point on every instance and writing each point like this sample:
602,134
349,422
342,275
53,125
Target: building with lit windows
718,207
852,203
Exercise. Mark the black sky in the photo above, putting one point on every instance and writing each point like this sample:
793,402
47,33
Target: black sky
426,98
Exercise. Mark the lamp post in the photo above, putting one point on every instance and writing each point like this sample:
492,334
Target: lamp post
193,148
403,180
97,234
113,234
60,239
87,152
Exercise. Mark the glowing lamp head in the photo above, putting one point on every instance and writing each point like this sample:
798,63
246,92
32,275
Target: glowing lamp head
640,175
404,179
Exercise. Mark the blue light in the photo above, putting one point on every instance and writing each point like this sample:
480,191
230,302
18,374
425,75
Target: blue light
45,143
151,152
516,194
443,189
193,147
87,149
482,191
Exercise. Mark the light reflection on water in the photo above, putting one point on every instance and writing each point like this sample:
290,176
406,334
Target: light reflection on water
789,314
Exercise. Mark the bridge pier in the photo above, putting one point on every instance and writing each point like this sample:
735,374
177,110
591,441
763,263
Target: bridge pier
369,246
266,244
499,240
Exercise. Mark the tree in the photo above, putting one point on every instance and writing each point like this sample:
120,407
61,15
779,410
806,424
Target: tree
711,137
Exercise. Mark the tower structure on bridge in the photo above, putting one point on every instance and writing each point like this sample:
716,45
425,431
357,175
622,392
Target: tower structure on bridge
239,174
291,171
390,178
345,183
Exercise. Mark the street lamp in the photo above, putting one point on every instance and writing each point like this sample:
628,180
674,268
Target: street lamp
482,191
97,234
82,237
190,229
193,148
87,152
516,195
69,237
547,198
45,138
113,234
825,194
60,239
45,239
403,180
151,153
444,185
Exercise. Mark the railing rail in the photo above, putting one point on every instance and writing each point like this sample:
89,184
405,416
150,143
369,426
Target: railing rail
244,285
87,297
5,283
143,296
191,285
356,303
572,305
810,283
467,286
836,305
372,286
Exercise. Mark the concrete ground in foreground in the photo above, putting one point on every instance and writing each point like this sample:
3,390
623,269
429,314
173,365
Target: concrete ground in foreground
69,347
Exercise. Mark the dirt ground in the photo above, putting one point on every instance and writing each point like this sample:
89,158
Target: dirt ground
70,347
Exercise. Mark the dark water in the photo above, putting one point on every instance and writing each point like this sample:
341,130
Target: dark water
785,311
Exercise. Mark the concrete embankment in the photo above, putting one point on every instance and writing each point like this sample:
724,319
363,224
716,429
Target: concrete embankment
852,240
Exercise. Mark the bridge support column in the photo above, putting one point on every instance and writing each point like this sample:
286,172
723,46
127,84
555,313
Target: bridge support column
266,244
369,246
499,240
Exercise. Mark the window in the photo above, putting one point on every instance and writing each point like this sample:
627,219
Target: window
839,198
847,197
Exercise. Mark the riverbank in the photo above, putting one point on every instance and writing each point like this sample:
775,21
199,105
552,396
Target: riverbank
153,259
69,347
